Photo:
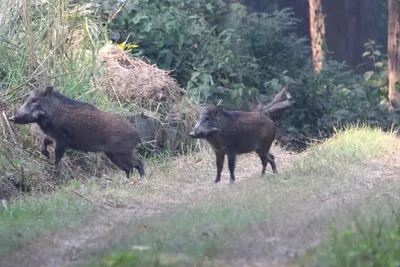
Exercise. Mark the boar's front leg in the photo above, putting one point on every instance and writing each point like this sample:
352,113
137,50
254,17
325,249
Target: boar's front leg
231,165
59,151
220,156
47,141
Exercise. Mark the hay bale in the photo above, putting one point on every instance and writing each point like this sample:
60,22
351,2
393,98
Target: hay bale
130,79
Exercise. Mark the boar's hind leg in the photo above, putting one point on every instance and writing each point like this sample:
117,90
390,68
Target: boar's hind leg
126,162
118,159
137,163
265,158
231,165
271,160
220,156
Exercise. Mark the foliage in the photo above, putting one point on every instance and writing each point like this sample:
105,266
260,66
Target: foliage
373,242
221,52
337,96
216,51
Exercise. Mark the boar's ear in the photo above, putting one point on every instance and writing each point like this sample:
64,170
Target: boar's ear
218,109
48,90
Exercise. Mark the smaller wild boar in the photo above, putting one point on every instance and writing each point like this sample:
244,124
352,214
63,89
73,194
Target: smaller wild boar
233,133
80,126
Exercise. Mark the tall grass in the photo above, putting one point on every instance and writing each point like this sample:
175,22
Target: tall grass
45,42
50,42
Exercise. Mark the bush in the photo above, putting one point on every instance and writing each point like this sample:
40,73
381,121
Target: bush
216,51
337,97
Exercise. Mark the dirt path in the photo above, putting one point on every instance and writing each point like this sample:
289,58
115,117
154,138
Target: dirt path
300,219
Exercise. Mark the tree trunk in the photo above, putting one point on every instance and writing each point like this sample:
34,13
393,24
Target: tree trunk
317,33
394,53
300,9
349,24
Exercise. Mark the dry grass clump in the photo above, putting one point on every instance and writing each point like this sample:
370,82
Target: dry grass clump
177,125
130,79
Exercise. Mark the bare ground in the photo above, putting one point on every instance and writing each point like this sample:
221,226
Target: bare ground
299,222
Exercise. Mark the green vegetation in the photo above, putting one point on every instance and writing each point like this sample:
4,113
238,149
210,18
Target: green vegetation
372,242
216,51
221,52
24,220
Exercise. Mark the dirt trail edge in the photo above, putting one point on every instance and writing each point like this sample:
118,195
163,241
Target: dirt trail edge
288,230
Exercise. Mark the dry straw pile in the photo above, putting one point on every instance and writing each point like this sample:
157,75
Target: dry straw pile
132,80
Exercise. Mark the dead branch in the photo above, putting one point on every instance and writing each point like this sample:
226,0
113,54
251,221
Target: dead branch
275,108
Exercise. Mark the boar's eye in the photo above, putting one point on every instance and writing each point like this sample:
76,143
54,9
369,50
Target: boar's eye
33,100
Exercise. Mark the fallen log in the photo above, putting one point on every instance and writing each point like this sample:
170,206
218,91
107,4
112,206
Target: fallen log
275,109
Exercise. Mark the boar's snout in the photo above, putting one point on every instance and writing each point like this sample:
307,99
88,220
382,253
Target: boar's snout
196,133
19,119
24,116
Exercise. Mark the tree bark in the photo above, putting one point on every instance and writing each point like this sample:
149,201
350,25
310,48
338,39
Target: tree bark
317,33
394,53
349,24
301,11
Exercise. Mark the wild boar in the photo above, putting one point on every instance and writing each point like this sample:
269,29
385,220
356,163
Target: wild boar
233,133
80,126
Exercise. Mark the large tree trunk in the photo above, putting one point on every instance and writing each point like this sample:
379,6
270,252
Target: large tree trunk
349,24
394,52
317,32
300,9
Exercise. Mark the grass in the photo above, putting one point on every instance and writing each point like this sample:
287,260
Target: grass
369,239
24,220
232,219
211,222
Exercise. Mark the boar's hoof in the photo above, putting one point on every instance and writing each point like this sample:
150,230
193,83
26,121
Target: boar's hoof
45,153
231,181
275,171
141,172
216,181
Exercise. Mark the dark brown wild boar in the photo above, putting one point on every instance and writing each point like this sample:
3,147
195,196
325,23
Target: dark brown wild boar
233,133
80,126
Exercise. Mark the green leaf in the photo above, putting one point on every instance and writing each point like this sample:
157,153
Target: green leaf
233,94
368,75
195,74
366,53
240,91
